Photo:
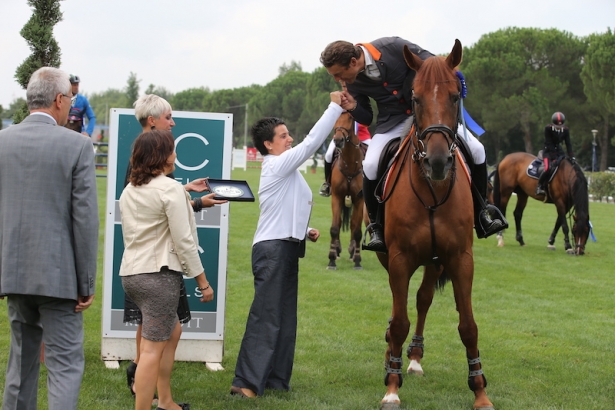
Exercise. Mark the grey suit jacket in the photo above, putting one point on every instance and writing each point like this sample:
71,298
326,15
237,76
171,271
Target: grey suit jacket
48,211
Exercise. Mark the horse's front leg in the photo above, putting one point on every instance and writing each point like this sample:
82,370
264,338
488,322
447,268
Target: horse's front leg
424,297
569,249
461,274
336,223
518,213
356,221
400,269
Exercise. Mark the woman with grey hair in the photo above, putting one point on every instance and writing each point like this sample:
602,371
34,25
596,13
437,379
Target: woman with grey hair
155,113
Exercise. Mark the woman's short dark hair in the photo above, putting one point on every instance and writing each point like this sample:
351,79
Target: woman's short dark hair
150,152
339,52
264,130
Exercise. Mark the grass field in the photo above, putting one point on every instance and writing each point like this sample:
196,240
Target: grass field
546,323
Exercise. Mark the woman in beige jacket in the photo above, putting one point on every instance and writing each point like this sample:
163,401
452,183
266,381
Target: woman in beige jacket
161,245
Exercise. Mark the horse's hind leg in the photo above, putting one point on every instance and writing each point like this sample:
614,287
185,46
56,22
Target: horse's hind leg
468,331
558,224
424,297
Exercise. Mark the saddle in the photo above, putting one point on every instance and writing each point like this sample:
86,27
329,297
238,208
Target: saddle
537,168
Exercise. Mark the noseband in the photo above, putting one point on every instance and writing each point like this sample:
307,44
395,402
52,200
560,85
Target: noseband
345,137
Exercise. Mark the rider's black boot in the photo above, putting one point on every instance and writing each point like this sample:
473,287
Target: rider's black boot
540,188
374,212
483,211
325,188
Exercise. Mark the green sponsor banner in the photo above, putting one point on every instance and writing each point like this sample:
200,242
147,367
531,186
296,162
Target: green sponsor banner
203,143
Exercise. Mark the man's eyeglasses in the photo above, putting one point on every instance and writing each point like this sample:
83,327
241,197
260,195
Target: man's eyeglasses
72,99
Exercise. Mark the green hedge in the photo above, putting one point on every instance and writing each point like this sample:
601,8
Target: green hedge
602,184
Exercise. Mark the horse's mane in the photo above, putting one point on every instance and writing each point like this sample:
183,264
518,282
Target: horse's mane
434,70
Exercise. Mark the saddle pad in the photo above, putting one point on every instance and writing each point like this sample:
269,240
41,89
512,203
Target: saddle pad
535,169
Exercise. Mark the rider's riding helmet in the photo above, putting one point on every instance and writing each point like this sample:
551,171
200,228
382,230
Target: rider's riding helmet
74,79
558,118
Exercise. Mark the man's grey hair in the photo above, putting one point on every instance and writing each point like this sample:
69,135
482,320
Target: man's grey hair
150,104
45,85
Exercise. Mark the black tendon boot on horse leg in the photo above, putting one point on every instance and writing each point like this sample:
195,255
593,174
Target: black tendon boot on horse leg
483,211
374,212
325,188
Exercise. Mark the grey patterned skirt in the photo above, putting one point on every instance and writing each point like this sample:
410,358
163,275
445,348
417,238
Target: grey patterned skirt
132,314
156,295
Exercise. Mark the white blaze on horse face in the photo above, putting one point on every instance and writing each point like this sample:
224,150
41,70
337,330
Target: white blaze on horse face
437,119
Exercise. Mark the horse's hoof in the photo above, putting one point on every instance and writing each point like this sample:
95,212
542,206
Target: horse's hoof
551,247
570,251
331,267
358,268
484,408
389,406
415,368
390,402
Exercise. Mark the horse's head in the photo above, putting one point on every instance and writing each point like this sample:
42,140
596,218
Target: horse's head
436,94
580,232
343,131
581,226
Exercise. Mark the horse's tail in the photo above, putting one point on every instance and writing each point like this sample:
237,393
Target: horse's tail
345,218
497,198
442,280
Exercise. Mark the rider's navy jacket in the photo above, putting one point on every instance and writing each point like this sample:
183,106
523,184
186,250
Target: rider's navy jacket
393,92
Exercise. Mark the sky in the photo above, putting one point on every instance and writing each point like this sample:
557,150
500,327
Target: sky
224,44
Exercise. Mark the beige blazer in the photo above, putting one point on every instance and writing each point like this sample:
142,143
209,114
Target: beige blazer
159,229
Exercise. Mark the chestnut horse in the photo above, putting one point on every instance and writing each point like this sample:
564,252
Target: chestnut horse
567,190
429,222
346,191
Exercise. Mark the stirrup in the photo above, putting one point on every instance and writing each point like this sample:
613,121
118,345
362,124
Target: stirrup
376,239
325,189
540,190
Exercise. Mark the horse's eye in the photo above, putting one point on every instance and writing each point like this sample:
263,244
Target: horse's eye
455,98
415,101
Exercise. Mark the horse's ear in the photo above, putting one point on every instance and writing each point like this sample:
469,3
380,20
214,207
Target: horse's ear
454,58
412,60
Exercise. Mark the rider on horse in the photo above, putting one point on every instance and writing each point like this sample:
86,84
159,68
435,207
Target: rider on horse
555,134
81,107
378,70
364,136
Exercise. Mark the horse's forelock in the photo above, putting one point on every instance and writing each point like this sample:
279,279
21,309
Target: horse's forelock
434,70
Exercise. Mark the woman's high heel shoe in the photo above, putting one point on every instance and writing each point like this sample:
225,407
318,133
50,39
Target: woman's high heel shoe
130,376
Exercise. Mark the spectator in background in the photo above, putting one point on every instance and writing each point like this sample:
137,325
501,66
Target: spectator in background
48,243
81,108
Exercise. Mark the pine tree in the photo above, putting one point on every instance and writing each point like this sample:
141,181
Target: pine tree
38,33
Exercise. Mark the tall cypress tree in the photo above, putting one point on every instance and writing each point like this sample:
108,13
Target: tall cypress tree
38,33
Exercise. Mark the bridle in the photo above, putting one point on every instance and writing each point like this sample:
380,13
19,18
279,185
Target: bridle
346,138
419,153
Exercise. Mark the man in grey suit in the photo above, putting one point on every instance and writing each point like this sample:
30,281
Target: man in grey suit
48,244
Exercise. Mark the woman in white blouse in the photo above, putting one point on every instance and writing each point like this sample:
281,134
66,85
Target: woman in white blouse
267,351
160,245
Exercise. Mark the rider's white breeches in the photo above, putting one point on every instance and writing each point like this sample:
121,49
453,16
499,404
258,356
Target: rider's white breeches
370,164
